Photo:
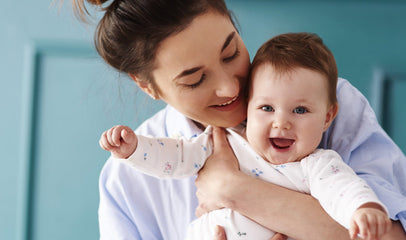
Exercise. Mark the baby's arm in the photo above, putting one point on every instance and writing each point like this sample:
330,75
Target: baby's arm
120,140
158,157
370,221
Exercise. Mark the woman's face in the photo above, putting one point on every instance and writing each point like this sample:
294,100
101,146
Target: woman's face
202,71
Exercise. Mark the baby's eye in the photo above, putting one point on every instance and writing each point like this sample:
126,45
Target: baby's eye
300,110
267,108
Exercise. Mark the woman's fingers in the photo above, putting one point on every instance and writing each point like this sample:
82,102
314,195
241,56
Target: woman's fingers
222,150
279,236
219,233
219,138
205,205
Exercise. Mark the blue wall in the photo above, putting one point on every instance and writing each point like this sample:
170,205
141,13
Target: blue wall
57,97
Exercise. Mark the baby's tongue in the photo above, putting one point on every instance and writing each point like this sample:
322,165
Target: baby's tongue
282,142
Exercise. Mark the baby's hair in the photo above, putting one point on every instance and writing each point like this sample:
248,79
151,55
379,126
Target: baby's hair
291,50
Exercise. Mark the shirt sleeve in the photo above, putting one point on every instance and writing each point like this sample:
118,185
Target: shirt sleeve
135,206
339,190
362,143
171,157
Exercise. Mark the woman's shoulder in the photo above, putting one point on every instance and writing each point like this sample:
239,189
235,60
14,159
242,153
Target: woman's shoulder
154,125
168,122
348,93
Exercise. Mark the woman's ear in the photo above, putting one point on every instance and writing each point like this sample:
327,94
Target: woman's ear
331,114
145,86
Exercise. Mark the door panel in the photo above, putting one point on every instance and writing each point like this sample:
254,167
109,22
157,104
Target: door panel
388,101
68,118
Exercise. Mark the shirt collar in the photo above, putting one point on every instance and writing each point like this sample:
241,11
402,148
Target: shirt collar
178,125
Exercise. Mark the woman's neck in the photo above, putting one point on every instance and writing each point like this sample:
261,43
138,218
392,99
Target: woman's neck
200,125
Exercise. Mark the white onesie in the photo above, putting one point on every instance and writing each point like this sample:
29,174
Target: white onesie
322,174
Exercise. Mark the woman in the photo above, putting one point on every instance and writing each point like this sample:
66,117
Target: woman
189,54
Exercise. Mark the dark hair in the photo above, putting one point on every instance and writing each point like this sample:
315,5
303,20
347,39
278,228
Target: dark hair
128,35
288,51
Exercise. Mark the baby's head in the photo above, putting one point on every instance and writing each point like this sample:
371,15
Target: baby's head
292,96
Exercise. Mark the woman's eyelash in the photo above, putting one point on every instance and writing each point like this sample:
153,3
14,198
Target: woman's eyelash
195,85
228,59
236,54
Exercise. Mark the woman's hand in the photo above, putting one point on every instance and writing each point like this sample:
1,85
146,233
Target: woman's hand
220,234
219,170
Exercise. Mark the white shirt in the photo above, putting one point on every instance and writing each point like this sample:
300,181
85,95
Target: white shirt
136,206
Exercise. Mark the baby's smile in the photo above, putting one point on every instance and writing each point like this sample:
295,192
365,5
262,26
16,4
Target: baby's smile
281,143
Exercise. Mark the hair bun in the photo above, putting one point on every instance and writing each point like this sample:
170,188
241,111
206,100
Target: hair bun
97,2
80,10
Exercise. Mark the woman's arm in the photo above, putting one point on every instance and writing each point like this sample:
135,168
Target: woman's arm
300,216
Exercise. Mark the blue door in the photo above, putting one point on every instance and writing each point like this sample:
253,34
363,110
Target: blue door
57,96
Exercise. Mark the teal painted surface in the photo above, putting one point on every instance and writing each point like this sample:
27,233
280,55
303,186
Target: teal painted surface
57,96
389,89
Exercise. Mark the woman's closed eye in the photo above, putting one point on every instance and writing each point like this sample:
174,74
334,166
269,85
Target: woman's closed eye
232,57
196,84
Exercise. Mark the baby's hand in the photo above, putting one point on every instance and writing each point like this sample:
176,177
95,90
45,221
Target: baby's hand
370,221
120,140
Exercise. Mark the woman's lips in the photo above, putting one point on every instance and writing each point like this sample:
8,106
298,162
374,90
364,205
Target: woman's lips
229,105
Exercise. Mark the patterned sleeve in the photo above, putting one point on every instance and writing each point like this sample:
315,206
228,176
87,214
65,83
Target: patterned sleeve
339,190
171,157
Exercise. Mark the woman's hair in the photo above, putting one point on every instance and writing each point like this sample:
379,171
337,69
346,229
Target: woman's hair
128,35
291,50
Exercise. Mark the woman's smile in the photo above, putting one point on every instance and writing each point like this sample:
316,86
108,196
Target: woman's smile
229,105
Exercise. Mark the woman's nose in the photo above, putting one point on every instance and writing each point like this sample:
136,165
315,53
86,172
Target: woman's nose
227,86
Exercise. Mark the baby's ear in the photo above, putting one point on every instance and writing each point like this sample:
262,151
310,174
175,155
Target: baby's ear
331,114
145,86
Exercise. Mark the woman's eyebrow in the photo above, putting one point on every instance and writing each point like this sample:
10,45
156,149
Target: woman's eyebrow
228,40
187,72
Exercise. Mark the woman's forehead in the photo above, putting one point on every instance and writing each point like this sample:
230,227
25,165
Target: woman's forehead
202,40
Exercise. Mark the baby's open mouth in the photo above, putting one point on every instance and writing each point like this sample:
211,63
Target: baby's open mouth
281,143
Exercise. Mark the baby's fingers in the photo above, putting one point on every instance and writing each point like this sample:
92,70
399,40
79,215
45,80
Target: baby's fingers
104,143
353,230
384,225
127,135
116,136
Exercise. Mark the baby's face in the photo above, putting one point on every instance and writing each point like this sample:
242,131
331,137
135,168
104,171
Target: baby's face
287,113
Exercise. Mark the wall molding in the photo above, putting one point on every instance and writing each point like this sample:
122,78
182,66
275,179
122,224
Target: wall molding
34,52
382,81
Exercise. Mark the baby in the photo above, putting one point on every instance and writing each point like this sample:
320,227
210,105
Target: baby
291,102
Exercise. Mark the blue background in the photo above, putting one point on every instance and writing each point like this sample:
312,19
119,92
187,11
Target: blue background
57,96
